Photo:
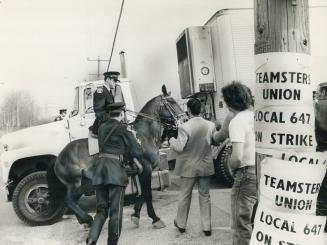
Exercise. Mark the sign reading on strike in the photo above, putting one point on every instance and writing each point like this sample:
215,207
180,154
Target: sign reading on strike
285,127
283,79
288,187
276,228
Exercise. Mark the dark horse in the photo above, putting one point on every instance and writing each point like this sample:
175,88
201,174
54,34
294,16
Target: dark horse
65,178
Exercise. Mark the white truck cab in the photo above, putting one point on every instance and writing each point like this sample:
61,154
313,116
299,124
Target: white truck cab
30,150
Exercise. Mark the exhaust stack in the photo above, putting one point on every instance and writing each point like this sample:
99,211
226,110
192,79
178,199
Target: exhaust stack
123,73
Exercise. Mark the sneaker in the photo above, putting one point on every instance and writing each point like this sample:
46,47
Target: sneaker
181,230
207,233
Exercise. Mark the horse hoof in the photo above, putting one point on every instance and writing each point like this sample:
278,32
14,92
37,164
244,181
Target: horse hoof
89,220
87,226
159,224
135,220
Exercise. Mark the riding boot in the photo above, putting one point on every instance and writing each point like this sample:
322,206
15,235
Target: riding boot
112,242
101,194
116,196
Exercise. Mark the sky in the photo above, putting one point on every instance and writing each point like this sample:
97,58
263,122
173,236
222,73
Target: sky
44,45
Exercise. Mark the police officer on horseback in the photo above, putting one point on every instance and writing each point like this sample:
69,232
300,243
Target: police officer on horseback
110,177
103,97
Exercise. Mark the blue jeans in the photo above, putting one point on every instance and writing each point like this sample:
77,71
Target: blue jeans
243,198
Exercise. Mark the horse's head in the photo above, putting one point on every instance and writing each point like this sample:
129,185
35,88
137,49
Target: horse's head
170,113
164,111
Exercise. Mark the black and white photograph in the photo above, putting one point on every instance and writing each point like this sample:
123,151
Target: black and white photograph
163,122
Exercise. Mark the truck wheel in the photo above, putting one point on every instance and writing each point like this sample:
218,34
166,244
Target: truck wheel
31,201
222,171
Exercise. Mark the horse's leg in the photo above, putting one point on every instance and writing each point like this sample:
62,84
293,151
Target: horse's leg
137,207
72,197
76,196
145,181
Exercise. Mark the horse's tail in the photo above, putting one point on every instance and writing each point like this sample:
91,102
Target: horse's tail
57,190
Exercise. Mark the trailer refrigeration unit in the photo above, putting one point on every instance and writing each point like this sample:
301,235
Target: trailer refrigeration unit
213,55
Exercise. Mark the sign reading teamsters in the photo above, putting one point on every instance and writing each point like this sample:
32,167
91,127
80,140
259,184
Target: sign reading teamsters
290,172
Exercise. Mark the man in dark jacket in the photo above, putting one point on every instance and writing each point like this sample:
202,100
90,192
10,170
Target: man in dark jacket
110,177
102,98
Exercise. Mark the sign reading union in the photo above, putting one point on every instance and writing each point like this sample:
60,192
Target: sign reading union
283,79
292,189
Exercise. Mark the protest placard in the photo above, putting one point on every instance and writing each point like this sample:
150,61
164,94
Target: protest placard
289,187
276,228
283,79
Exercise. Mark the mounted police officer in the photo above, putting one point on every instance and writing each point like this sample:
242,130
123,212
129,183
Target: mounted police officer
110,177
103,97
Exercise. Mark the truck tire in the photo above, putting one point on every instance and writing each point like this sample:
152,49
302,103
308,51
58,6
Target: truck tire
222,171
31,201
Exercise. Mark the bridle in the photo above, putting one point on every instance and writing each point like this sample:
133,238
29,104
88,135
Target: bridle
173,123
177,118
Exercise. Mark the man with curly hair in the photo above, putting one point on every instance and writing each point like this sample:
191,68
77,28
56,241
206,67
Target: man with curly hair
239,101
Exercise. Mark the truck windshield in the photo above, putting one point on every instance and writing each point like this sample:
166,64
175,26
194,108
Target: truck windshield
88,99
76,103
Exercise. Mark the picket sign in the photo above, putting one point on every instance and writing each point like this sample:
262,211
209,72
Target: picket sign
285,127
283,79
297,158
276,228
289,187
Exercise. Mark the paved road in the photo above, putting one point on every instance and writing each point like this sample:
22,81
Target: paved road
69,232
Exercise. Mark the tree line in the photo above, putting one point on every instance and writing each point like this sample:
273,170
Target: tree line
19,110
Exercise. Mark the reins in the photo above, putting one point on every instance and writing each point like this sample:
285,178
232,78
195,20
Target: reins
135,114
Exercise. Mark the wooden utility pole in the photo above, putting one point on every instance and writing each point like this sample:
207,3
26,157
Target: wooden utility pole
284,125
281,26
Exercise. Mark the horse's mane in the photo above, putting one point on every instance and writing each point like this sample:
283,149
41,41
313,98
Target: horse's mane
149,108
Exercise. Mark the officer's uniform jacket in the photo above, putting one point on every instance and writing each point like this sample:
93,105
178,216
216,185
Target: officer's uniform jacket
109,170
101,100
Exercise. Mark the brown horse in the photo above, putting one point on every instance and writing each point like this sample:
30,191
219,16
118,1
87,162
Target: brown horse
65,178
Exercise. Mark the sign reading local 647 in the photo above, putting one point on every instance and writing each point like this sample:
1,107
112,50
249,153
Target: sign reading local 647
276,228
286,127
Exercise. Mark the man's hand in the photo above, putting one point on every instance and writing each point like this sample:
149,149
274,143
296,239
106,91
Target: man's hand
139,165
218,125
172,133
